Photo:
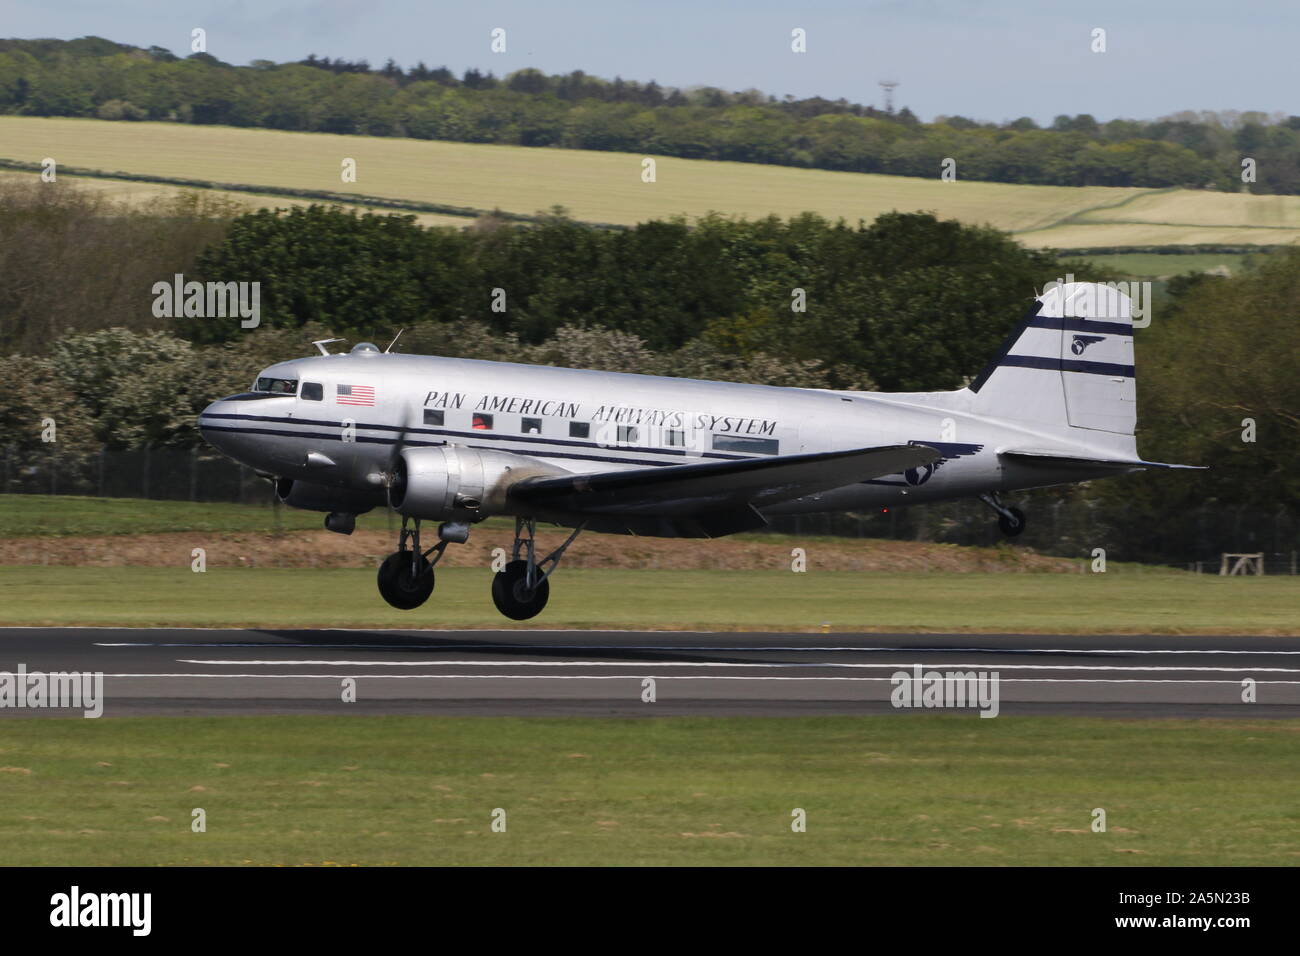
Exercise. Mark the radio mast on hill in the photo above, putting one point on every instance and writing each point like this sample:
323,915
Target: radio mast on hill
888,87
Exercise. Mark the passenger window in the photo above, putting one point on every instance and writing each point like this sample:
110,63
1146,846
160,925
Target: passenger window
531,426
627,434
675,438
434,416
579,430
481,421
313,391
753,446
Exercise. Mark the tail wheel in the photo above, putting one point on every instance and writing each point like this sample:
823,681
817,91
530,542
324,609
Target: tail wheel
405,579
1012,524
511,595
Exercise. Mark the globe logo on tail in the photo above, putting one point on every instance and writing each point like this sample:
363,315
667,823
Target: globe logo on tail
1081,342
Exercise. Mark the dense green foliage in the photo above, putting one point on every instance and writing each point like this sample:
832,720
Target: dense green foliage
911,301
1224,353
93,77
70,260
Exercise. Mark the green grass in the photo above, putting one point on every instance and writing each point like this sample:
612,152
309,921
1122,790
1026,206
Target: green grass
1160,602
895,790
33,515
23,515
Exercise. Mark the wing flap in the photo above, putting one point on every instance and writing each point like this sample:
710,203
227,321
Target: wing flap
709,486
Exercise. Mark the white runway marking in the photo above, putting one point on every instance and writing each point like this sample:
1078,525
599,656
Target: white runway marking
650,672
768,664
684,647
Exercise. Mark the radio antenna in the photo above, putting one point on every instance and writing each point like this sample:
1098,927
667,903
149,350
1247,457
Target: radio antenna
395,338
321,343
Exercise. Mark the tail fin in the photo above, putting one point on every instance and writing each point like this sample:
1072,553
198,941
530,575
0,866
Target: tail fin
1070,364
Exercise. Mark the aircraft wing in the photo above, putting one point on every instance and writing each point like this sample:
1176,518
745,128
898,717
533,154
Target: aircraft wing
715,486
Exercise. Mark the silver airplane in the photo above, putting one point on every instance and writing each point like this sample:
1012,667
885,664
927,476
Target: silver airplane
458,440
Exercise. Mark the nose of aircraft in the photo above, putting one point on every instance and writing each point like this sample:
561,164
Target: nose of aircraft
217,423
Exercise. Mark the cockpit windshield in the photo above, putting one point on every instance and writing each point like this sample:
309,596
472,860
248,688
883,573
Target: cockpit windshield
277,386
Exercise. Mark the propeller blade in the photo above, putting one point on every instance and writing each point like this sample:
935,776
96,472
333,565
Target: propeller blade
390,473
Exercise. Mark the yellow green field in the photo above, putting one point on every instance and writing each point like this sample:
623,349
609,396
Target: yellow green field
137,194
607,187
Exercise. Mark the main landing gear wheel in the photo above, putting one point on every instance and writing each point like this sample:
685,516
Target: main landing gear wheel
521,589
406,579
406,576
513,597
1012,523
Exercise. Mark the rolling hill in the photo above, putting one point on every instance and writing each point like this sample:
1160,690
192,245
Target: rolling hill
446,183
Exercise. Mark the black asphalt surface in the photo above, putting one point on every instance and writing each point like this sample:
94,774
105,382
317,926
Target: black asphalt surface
180,671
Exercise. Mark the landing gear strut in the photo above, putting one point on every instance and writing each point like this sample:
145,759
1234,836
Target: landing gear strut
406,576
1010,519
521,589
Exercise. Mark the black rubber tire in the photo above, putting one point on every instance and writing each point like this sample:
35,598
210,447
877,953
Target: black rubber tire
399,587
510,597
1012,528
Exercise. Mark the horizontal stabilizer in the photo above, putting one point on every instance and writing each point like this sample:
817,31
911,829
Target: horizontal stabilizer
1061,459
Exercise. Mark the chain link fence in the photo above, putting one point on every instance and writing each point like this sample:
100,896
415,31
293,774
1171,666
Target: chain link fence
1074,528
175,474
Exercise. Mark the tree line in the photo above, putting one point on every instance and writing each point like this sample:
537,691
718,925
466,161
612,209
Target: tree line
94,77
906,302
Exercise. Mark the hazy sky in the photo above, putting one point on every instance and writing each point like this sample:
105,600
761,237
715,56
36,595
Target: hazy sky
987,59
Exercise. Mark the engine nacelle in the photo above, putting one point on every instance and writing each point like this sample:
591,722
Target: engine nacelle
313,497
451,483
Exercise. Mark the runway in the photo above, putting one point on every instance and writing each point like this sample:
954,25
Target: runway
178,671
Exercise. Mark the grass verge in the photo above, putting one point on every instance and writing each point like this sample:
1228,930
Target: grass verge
898,790
24,515
1155,602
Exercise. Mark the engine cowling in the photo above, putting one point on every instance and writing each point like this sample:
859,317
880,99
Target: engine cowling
314,497
448,482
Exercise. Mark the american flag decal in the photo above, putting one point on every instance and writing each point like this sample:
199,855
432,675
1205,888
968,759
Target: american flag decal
355,395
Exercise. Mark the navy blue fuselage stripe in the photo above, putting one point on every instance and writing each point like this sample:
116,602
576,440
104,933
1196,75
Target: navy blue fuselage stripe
1075,324
541,453
415,430
1067,365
